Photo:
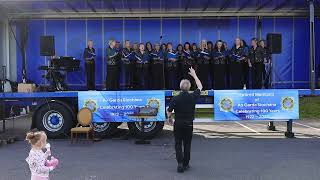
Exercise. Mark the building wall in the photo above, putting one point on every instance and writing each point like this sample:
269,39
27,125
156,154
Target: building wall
291,67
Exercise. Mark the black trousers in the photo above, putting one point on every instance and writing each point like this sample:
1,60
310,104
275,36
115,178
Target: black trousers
203,70
212,76
219,76
184,71
90,73
257,72
183,138
245,74
128,75
146,77
112,80
228,74
172,78
157,73
138,77
236,74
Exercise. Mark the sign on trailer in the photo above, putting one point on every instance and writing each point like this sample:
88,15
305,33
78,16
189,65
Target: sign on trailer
271,104
117,106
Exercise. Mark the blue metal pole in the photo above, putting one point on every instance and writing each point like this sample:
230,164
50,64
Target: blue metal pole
312,47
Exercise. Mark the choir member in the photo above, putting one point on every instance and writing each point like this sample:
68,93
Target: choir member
113,58
195,54
227,52
171,68
135,47
188,62
142,78
89,56
118,46
246,68
148,47
256,62
180,58
203,63
163,47
237,58
211,68
127,56
267,64
220,61
157,68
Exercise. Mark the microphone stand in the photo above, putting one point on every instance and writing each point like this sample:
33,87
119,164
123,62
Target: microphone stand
163,75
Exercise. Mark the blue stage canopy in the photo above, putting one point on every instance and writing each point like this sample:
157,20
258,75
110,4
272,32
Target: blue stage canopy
225,7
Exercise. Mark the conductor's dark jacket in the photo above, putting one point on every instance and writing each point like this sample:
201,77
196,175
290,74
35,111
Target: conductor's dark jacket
184,106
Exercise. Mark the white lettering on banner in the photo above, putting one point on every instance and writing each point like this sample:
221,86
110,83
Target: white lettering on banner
124,107
257,111
122,100
256,105
120,114
257,94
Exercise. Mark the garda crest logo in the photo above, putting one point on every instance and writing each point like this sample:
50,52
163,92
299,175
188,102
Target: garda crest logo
226,104
154,103
91,104
287,103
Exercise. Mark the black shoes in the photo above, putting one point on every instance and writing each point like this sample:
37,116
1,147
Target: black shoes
186,167
180,168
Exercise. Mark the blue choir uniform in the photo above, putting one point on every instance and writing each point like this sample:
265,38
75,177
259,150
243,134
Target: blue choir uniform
157,69
142,72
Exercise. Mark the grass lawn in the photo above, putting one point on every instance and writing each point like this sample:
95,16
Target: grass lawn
309,109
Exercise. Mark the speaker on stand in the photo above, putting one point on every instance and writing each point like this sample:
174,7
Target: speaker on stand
274,44
47,47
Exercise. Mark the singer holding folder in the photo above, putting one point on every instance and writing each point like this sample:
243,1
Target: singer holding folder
171,68
89,55
127,61
237,58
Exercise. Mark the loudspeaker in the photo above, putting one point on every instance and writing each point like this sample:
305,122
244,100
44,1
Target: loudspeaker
47,46
274,42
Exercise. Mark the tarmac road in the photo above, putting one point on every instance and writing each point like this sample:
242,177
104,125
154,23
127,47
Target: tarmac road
222,151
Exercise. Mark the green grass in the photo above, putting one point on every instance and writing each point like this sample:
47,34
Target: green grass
204,113
309,109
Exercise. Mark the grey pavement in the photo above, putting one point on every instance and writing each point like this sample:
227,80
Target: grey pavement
222,151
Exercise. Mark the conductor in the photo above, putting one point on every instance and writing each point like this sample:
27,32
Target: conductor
184,108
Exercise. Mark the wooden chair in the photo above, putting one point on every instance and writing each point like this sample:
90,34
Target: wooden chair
84,125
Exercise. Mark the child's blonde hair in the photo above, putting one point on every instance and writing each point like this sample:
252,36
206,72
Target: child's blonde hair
35,137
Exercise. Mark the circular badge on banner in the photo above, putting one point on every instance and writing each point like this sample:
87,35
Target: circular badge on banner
287,103
91,104
226,104
154,103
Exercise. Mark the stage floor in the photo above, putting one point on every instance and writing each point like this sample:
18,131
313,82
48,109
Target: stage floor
70,94
224,151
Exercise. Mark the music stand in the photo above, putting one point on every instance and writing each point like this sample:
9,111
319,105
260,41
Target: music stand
142,117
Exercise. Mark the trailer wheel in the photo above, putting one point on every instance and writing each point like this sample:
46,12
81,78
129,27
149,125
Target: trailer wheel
151,129
102,130
56,119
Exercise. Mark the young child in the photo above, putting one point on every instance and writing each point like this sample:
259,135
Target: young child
38,161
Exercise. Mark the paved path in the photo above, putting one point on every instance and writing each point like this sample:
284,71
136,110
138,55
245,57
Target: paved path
222,151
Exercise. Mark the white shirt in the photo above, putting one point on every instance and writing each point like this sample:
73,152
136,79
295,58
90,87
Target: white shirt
36,161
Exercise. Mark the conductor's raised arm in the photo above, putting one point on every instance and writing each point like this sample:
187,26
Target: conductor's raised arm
193,73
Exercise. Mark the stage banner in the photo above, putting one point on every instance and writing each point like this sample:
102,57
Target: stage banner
117,106
268,104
